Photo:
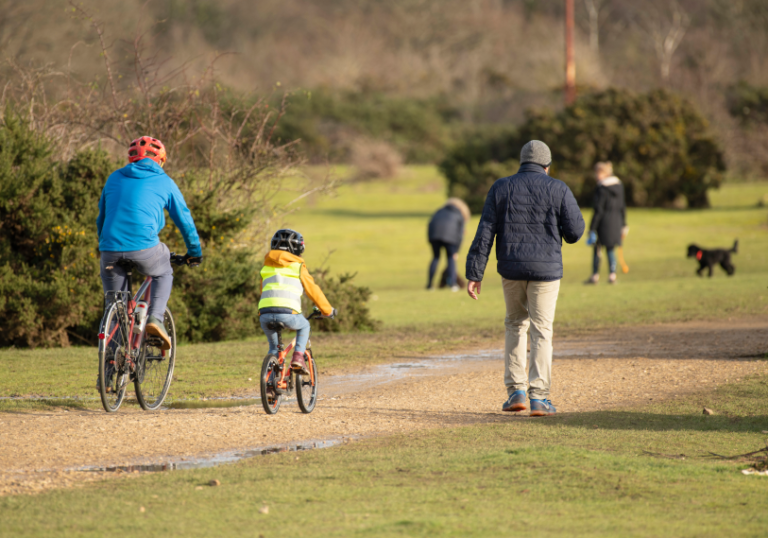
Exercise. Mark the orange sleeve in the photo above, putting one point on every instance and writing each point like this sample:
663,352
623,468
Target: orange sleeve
314,292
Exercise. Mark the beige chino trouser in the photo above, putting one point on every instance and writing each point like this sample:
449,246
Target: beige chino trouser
531,304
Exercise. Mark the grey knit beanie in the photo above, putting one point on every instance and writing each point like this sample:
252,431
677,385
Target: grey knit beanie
537,152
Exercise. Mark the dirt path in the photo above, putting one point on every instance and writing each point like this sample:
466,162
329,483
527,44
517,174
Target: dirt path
604,370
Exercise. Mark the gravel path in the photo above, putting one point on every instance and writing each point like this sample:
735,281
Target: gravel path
617,368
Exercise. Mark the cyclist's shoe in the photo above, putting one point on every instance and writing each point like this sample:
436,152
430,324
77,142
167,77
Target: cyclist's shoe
298,364
542,408
156,327
516,402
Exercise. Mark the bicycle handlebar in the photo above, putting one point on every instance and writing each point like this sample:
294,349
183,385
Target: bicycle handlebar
178,259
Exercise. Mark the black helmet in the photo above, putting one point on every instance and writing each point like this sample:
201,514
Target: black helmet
289,240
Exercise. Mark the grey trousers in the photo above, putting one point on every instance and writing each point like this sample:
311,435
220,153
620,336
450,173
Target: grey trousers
154,262
531,304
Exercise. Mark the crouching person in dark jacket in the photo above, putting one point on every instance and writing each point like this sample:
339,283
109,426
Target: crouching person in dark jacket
529,214
445,231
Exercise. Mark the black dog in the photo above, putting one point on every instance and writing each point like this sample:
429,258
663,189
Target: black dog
710,258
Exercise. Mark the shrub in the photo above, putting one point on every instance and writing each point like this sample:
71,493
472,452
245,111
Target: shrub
374,159
472,166
49,285
748,103
349,300
659,144
328,123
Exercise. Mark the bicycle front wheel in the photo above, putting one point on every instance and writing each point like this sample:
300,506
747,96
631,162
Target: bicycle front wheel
113,378
306,385
154,369
270,375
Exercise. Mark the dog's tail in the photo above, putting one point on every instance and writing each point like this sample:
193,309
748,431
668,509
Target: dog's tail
735,248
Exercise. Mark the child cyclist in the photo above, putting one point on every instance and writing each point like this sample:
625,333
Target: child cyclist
284,278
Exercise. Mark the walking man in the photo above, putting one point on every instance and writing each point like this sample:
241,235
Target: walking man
529,214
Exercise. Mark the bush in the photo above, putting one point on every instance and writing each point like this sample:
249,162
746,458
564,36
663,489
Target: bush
659,144
472,166
349,300
49,284
328,123
748,103
374,159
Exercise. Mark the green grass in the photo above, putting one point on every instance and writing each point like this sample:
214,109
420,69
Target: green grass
378,230
585,474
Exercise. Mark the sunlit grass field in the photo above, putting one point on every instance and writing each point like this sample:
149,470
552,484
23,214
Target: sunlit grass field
379,231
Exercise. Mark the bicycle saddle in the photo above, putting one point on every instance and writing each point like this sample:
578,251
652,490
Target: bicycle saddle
276,326
128,265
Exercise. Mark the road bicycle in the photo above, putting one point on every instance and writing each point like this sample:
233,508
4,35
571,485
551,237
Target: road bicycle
278,380
127,353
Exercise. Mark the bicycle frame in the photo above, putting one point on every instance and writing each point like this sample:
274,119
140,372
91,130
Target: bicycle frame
126,309
285,372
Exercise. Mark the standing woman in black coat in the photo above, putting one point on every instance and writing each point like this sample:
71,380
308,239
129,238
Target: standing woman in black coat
445,232
609,222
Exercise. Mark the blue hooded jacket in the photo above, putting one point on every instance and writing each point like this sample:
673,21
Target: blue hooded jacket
529,214
131,209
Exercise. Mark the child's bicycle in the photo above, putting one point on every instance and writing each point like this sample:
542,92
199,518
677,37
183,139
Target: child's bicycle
278,380
128,353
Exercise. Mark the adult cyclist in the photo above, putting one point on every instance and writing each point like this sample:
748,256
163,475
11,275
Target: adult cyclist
130,218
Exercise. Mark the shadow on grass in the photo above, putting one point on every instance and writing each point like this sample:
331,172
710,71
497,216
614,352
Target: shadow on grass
37,405
645,421
350,213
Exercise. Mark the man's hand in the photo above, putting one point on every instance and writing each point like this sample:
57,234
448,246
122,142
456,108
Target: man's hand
473,288
591,239
331,315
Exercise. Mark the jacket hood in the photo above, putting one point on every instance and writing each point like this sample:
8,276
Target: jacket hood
142,169
609,182
281,258
615,188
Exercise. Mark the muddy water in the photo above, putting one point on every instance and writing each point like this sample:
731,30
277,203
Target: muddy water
202,462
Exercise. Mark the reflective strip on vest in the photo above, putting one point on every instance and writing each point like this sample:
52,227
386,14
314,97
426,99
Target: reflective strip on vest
281,287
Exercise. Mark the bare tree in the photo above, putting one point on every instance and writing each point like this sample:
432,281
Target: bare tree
593,12
666,27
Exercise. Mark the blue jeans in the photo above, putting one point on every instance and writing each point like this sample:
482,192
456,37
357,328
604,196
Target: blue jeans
611,251
296,322
450,251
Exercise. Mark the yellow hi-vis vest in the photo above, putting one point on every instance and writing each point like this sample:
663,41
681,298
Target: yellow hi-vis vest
281,287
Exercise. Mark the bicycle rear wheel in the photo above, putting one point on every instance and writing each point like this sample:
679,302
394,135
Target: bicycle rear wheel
270,374
154,369
306,385
113,379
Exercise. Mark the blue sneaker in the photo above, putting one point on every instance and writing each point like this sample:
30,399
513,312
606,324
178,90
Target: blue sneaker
516,402
542,408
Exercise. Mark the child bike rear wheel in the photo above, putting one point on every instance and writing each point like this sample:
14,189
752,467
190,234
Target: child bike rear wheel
270,375
154,370
306,388
112,375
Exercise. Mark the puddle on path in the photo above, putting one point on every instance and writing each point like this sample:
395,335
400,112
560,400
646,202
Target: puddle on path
222,458
349,383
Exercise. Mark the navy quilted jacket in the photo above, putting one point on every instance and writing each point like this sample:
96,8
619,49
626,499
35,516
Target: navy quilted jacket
529,214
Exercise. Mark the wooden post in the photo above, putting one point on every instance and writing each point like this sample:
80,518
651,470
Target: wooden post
570,64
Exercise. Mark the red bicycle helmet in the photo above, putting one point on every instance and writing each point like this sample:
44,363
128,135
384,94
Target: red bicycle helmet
147,147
